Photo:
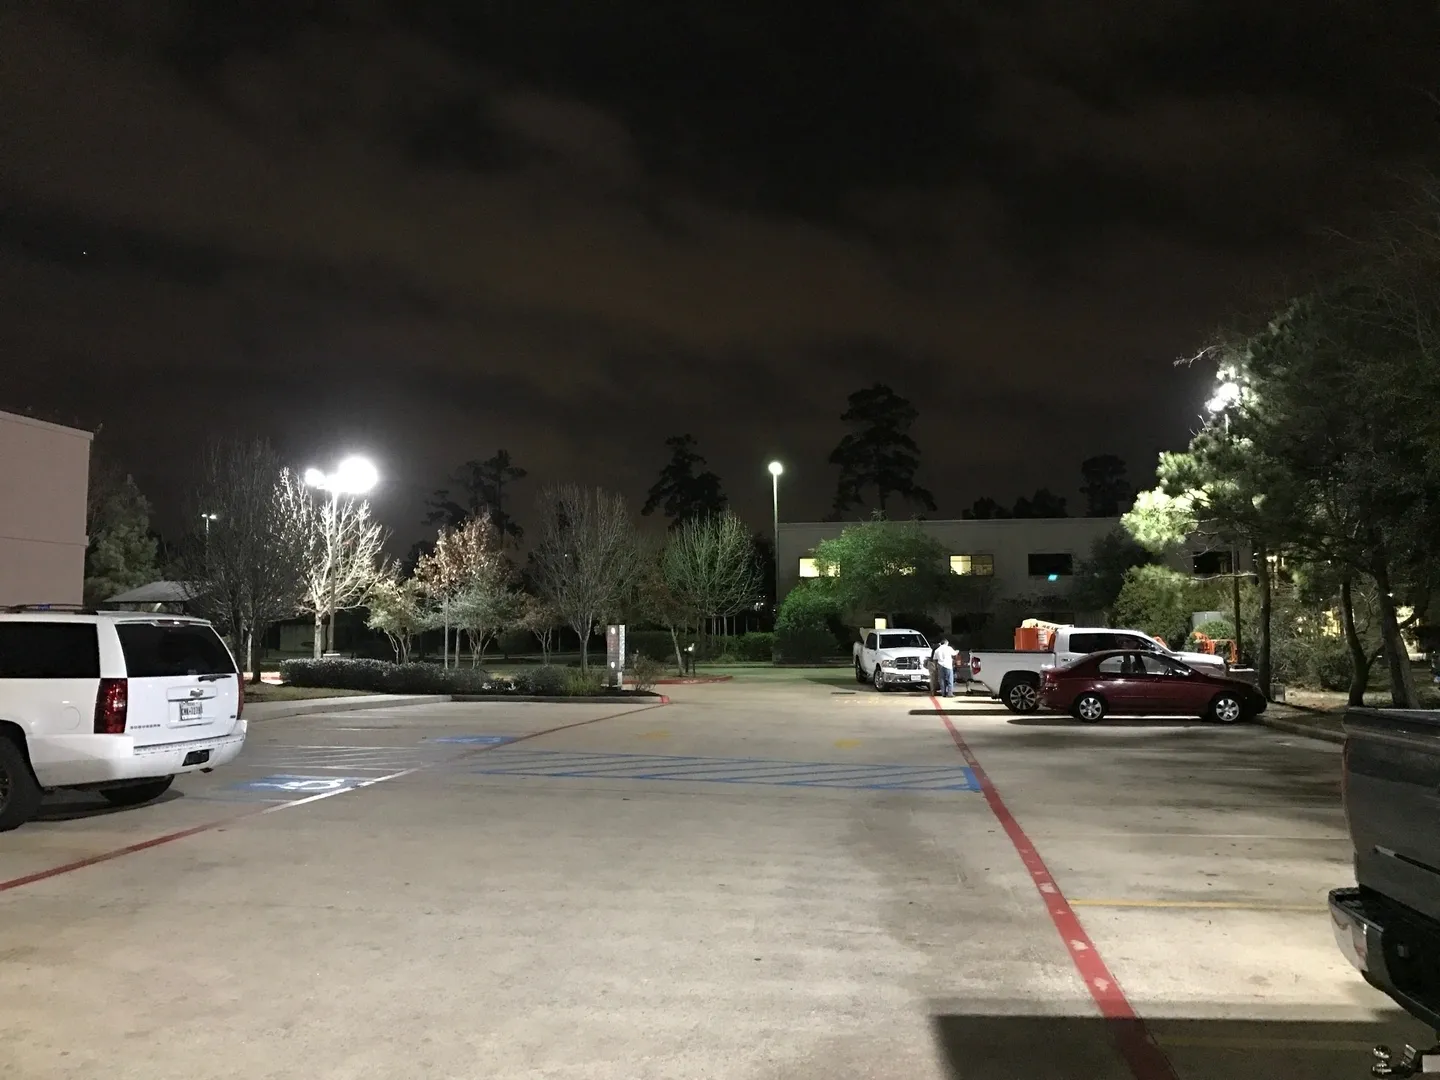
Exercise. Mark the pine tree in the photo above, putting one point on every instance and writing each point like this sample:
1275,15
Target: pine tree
682,493
878,452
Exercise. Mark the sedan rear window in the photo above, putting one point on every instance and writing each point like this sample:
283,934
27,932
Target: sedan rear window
155,650
49,650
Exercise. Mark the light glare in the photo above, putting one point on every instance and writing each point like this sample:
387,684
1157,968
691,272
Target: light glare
776,468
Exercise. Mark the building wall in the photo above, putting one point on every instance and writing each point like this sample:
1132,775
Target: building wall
44,482
1012,592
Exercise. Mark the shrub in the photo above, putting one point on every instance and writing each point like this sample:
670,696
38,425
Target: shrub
646,671
584,683
805,625
546,680
387,677
654,643
754,646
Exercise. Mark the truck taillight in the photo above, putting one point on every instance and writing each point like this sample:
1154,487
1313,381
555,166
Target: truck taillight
240,694
112,704
974,665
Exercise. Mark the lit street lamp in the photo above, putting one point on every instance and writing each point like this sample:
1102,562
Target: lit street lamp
207,518
353,476
775,470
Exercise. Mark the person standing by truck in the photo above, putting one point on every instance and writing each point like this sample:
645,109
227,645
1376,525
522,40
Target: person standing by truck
945,667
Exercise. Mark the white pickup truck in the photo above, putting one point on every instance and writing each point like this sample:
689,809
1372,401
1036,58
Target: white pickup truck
1013,675
893,658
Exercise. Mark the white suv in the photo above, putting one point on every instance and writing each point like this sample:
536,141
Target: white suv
112,702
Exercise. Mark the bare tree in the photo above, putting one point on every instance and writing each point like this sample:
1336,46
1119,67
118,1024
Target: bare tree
709,567
541,619
246,571
655,601
341,561
586,558
398,609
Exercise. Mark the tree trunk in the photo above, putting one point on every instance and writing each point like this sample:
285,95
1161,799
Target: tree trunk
319,633
1359,659
1262,661
585,645
1397,657
679,659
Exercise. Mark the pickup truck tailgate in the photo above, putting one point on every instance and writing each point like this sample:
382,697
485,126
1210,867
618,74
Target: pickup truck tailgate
1392,803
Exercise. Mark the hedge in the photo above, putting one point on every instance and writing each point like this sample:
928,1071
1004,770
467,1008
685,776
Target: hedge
545,680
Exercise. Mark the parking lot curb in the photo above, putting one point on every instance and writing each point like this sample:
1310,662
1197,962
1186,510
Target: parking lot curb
262,711
609,699
1300,727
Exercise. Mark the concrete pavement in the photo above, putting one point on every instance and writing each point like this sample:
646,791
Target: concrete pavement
792,878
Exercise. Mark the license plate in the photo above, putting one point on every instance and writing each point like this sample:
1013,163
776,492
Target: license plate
191,710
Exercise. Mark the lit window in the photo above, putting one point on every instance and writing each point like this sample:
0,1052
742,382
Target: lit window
973,565
809,568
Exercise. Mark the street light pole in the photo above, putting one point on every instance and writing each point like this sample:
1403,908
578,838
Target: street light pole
775,470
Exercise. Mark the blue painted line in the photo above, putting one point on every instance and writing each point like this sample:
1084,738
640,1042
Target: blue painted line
476,740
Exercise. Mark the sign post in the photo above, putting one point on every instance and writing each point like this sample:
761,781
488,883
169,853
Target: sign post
615,655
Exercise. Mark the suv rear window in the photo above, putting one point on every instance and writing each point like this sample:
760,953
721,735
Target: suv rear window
49,650
155,650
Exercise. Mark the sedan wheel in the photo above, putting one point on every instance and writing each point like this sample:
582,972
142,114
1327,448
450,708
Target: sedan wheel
1090,708
1227,709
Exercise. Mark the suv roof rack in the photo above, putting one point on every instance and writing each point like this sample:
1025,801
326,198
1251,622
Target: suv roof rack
72,609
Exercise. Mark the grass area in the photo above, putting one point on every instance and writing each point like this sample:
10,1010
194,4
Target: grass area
271,692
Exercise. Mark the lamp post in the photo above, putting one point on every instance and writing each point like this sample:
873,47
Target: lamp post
1229,392
353,476
775,470
207,518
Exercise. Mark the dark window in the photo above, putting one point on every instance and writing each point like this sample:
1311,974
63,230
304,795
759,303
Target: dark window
49,650
157,649
903,641
870,641
1088,643
1057,564
1212,562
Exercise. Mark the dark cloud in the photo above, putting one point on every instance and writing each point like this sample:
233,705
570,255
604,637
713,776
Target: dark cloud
571,229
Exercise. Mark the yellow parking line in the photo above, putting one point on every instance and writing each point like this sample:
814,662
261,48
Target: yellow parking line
1203,905
1220,1042
653,735
846,744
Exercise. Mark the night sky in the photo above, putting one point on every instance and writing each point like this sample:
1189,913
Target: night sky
426,229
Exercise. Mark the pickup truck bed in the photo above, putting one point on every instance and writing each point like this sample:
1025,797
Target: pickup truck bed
1389,925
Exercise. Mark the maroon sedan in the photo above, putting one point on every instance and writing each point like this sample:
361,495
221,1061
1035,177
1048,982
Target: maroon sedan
1145,684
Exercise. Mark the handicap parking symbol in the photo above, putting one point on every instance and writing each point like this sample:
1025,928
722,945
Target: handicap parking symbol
303,785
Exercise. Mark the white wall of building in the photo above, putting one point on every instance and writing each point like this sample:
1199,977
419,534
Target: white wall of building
44,482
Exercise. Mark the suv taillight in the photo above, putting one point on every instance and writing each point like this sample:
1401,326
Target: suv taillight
240,690
112,704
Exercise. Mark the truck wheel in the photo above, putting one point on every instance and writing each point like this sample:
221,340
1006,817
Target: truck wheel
135,794
1089,708
19,793
860,673
1227,709
879,680
1021,694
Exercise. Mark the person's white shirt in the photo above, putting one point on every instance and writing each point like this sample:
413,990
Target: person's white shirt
945,654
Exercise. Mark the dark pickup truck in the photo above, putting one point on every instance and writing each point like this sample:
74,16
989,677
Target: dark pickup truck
1389,925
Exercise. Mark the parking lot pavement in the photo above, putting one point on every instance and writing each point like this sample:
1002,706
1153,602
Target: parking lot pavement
793,879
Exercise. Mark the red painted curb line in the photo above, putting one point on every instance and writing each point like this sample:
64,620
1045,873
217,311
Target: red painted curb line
1133,1041
195,830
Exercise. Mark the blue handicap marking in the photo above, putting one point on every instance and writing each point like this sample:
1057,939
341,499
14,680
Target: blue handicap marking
476,740
303,785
